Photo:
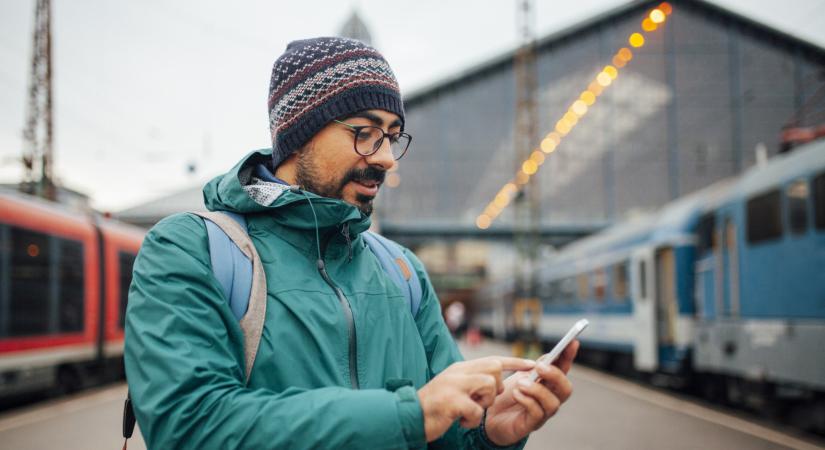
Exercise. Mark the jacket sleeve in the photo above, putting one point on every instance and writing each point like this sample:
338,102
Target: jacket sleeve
442,351
184,364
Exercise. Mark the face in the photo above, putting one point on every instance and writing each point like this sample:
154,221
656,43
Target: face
329,166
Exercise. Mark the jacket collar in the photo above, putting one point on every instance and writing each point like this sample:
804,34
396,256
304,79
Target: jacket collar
295,214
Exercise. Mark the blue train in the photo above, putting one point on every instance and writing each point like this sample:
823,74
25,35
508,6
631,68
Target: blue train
722,290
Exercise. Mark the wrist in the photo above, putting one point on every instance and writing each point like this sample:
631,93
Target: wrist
485,436
492,442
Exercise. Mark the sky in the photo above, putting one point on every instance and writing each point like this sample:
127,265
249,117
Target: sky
145,89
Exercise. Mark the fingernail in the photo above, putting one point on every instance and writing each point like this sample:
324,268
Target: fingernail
524,382
530,362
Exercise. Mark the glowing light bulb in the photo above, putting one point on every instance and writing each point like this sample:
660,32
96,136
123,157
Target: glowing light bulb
555,137
611,71
562,127
522,178
537,157
579,108
509,188
570,118
603,79
588,98
636,40
501,200
657,16
393,180
625,54
547,145
618,62
648,24
529,167
483,221
666,8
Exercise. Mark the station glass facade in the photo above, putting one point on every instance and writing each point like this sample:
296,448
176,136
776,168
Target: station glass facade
692,106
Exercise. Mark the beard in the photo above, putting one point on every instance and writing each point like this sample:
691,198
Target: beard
309,178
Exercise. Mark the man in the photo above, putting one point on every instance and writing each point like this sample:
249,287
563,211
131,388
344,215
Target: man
342,361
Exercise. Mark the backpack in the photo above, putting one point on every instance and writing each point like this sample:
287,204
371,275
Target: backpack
244,284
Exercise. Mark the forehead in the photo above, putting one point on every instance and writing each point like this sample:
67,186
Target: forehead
377,117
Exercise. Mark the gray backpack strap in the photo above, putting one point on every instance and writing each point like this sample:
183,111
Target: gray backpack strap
252,322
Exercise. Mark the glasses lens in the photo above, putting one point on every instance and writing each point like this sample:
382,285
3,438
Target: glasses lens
399,144
368,140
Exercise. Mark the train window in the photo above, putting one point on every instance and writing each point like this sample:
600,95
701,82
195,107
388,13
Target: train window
620,281
568,290
5,256
599,284
764,217
583,284
70,285
556,293
705,232
797,195
125,261
31,283
819,201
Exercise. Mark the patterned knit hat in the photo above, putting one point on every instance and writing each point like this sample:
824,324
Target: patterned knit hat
318,80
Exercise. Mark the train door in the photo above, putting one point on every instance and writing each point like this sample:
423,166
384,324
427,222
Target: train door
705,268
730,269
666,309
645,352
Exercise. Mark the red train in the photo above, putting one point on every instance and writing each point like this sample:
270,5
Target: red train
64,280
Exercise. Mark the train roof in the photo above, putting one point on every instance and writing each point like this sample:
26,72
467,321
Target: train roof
805,160
673,224
67,213
675,221
50,207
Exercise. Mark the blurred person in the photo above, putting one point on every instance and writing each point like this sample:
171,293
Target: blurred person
342,361
455,316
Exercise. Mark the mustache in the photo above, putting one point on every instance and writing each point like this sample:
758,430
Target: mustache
368,174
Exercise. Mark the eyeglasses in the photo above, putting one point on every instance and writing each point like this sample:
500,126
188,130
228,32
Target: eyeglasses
368,140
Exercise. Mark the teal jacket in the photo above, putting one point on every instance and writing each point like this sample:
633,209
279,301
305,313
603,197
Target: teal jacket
320,380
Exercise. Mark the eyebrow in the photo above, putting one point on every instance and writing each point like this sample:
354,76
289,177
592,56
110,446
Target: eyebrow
374,119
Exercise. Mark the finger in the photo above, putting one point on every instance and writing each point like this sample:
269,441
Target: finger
482,388
553,378
515,364
491,363
565,361
544,396
494,365
470,412
534,410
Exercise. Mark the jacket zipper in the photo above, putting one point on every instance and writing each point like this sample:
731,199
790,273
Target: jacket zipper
345,306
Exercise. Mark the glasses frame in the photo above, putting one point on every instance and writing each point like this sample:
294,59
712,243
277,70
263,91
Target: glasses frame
379,142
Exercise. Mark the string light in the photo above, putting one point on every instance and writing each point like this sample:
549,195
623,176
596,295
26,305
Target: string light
571,117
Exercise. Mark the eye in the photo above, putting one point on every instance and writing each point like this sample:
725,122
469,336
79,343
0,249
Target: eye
363,134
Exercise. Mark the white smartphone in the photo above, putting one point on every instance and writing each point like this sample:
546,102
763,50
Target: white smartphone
548,358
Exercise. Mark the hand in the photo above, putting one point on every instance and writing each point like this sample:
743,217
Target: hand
525,405
463,390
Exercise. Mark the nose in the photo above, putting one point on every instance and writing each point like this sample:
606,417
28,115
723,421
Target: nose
383,157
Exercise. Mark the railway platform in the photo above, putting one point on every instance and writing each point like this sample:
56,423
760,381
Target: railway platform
604,412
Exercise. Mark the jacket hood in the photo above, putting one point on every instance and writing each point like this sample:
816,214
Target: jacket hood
291,209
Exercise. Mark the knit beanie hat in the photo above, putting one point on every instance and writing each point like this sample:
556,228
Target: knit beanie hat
318,80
